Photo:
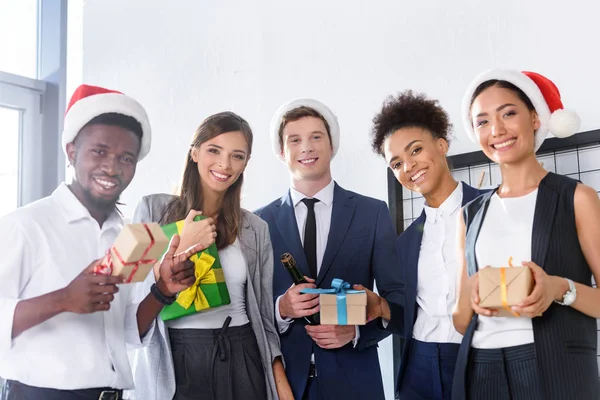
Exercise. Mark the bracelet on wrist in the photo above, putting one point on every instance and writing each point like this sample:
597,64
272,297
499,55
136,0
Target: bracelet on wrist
160,296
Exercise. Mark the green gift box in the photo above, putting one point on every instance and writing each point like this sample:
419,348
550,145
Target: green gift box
209,290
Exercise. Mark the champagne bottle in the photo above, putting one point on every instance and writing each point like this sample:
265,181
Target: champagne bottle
289,262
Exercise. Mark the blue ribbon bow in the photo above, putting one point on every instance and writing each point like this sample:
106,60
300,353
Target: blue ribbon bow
341,289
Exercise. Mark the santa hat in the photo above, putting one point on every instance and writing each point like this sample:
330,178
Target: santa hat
334,127
544,96
89,102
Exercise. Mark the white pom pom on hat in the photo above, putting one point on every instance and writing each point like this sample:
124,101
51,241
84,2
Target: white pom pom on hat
332,121
544,96
89,101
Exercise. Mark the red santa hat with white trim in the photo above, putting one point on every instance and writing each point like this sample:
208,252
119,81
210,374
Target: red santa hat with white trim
88,102
544,96
332,121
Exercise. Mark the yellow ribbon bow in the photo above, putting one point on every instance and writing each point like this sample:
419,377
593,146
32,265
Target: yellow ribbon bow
204,274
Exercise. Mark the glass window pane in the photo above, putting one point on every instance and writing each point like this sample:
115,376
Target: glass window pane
18,30
9,159
74,45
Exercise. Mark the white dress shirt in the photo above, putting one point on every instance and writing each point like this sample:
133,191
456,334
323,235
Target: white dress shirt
323,209
47,244
235,269
436,283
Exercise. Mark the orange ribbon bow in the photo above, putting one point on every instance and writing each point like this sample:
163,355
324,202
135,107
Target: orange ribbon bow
503,289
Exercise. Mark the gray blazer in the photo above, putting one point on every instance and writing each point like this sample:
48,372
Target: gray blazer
154,375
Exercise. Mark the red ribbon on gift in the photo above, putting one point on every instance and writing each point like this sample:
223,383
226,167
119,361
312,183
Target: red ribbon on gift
108,267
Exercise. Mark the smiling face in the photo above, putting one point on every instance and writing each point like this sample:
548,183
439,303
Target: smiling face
417,159
104,158
504,125
307,149
221,160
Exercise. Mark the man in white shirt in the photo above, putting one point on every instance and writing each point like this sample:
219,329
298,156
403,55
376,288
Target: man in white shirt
64,329
332,233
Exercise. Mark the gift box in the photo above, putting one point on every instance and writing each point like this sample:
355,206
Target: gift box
133,255
502,288
340,305
209,290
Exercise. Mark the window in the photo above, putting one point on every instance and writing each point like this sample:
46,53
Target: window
19,32
9,158
21,168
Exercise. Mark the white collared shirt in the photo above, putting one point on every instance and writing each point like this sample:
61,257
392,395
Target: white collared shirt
436,283
48,243
323,209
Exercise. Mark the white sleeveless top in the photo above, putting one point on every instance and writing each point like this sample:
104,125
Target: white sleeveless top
235,270
505,232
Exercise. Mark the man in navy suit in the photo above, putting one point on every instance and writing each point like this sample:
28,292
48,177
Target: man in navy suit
332,233
412,133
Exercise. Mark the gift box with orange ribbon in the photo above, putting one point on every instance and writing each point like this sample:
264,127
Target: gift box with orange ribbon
137,248
504,287
209,290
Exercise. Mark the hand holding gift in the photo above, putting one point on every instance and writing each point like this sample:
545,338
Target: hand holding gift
176,271
377,306
473,283
209,289
547,289
500,290
196,230
341,305
135,251
89,292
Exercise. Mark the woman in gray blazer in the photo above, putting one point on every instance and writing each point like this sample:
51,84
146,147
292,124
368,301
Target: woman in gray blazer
229,352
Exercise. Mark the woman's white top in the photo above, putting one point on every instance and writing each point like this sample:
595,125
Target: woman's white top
235,270
506,232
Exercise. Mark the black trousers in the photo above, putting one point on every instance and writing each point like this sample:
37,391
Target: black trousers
510,373
14,390
217,364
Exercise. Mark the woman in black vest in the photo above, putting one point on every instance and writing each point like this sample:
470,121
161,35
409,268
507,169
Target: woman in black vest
546,222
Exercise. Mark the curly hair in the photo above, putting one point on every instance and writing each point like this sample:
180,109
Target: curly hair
409,110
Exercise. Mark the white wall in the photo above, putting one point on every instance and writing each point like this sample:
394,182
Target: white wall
187,59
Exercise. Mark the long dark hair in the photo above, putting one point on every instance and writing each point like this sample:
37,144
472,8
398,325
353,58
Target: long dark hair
191,196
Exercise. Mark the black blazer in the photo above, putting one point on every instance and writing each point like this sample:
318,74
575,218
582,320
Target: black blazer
565,339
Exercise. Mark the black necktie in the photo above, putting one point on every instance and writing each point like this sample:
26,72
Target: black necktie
310,237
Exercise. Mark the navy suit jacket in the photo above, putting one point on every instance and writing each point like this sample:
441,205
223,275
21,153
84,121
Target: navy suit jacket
360,249
408,245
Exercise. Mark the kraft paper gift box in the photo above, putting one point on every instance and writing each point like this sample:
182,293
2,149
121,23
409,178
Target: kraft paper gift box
331,309
340,305
133,255
209,290
501,288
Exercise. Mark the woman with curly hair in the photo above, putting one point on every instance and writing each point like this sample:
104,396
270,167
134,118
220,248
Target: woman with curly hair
412,133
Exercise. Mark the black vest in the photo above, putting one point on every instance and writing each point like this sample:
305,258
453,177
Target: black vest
565,339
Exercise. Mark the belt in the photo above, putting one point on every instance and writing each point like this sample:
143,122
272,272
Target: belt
312,371
18,390
111,395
